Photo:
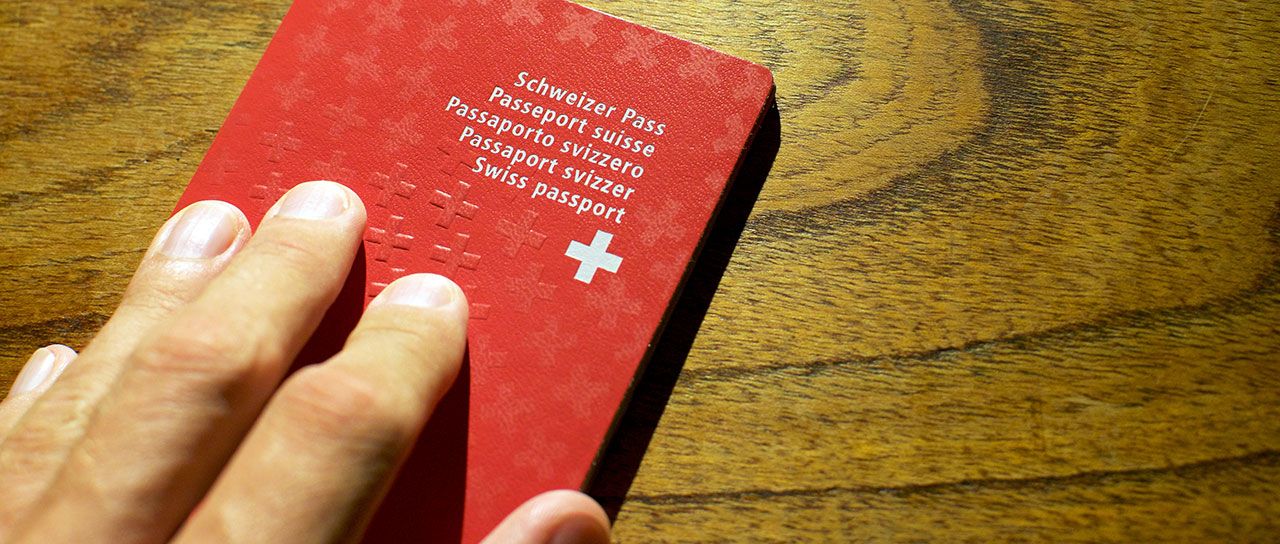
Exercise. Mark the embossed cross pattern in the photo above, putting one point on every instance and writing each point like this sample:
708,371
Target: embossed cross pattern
455,257
414,80
380,286
612,303
268,192
333,170
401,133
479,310
313,44
454,205
640,48
522,10
278,142
663,224
294,91
383,16
389,238
578,26
343,118
528,287
362,65
521,234
226,166
454,155
439,34
703,64
393,185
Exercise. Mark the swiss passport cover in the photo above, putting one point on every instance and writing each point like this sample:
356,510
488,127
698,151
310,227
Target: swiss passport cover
561,165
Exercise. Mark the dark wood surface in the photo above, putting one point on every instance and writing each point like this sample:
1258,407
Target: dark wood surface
1012,275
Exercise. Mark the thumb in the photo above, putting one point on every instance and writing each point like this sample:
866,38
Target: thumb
554,517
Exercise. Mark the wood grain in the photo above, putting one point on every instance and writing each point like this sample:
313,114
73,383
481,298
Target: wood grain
1013,275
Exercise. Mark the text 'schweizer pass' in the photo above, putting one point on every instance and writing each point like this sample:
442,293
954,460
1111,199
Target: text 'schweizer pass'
561,165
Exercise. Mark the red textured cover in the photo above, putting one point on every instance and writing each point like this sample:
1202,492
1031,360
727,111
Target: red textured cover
397,99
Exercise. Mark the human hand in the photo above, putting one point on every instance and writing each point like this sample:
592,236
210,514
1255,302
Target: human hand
173,423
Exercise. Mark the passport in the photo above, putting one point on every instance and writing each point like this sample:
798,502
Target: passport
561,165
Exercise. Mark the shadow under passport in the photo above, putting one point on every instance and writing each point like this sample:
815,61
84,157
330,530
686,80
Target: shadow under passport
617,465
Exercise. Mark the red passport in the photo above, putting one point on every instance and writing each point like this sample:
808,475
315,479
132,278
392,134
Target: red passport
561,165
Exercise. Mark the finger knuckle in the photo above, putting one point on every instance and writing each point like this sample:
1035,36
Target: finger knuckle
156,296
43,436
336,405
292,253
415,342
210,351
395,337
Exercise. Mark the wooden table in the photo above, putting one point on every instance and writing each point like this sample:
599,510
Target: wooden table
1012,275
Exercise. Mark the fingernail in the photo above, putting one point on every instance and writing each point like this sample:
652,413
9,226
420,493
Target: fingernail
420,290
579,530
314,200
34,373
204,230
61,361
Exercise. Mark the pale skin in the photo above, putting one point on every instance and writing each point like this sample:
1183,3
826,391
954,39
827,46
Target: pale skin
177,424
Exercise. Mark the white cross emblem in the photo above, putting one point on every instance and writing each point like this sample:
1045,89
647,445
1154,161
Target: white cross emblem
593,256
